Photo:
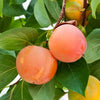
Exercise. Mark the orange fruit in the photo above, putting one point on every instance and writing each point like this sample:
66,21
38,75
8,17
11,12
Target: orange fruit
36,64
67,43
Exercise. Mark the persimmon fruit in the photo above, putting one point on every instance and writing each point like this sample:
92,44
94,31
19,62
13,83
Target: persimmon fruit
36,64
74,9
78,1
67,43
92,91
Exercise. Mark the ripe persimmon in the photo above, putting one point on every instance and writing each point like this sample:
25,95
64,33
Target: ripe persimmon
36,65
67,43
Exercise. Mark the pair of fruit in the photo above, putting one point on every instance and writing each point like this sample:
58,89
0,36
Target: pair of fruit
38,65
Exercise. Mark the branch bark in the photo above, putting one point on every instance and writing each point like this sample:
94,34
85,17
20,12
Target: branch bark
84,12
61,14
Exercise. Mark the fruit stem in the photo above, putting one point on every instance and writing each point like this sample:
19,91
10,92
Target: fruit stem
61,14
84,12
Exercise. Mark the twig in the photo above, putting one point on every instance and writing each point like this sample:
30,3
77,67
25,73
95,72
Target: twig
14,83
64,14
84,12
61,14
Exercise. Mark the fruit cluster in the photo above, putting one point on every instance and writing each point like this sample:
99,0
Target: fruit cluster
38,65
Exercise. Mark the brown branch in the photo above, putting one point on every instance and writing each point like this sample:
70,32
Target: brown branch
61,14
64,14
84,12
14,83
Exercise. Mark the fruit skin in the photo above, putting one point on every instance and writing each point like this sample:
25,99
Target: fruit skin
73,12
67,43
36,65
74,9
78,1
92,91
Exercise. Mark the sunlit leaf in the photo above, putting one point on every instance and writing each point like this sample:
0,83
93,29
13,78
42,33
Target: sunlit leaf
1,7
43,92
12,10
41,14
53,8
16,39
94,5
93,46
7,70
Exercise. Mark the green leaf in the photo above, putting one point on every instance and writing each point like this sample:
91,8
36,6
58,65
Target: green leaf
17,1
98,8
31,6
12,10
58,93
94,5
93,46
73,76
16,39
4,23
1,7
95,23
53,8
89,29
16,23
95,69
31,22
59,2
41,14
42,37
18,92
6,52
44,92
7,70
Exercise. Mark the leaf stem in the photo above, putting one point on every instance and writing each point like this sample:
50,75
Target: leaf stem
84,12
61,14
21,22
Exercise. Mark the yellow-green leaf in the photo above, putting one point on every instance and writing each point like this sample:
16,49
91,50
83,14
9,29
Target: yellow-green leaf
1,7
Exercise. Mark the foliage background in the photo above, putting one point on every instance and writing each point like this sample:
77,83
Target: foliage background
16,34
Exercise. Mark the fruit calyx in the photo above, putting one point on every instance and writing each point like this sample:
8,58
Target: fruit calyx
71,22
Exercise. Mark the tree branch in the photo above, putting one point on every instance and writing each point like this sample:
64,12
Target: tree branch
84,12
61,14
